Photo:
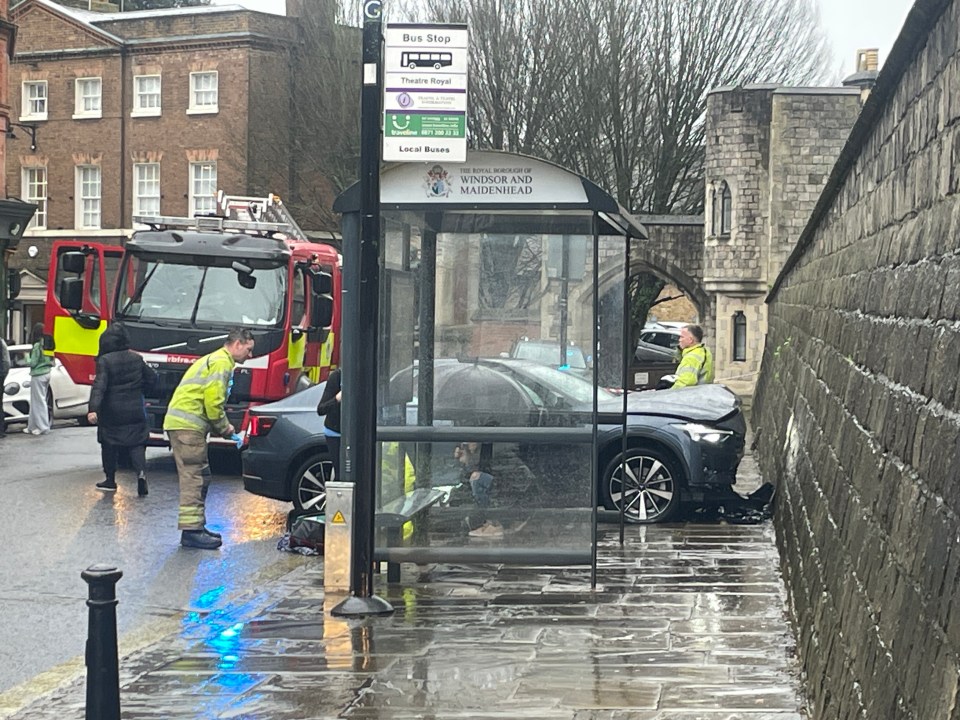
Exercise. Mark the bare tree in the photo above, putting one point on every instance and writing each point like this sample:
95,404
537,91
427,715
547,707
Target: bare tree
130,5
521,53
616,89
324,113
510,272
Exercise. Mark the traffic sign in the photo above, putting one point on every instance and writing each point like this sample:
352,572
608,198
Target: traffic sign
425,92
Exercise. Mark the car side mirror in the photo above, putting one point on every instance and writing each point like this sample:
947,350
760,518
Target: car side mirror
71,292
321,311
321,282
73,262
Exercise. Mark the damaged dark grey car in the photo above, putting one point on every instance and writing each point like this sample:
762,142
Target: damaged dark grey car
681,445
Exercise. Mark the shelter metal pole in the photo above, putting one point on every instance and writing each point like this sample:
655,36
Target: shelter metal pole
425,351
362,282
564,295
625,381
594,471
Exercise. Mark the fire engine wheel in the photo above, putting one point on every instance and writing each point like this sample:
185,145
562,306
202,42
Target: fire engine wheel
309,491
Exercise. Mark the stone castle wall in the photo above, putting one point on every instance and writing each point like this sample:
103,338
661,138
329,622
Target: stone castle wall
857,412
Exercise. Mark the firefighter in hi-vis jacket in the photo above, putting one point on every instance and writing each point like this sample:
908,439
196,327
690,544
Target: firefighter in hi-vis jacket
196,409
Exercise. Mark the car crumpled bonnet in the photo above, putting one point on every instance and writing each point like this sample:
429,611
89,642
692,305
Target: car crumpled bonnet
700,403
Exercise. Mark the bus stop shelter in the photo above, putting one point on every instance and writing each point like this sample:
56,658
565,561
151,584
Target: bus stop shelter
487,422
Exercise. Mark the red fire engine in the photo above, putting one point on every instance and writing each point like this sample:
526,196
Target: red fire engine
181,285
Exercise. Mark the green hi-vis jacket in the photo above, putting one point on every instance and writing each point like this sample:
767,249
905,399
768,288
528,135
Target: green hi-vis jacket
695,368
199,400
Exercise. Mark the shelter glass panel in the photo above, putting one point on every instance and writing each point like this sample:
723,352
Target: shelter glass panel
486,381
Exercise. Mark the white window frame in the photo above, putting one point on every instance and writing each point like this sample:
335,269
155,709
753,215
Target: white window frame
202,201
33,189
79,111
88,217
200,109
146,188
139,109
27,109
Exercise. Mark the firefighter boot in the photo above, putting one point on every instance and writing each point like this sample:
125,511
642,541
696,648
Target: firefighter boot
199,539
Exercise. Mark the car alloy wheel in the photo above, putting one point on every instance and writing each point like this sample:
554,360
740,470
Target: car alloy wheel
648,487
310,484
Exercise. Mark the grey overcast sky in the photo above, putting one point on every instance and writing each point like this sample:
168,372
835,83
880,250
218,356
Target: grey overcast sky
851,24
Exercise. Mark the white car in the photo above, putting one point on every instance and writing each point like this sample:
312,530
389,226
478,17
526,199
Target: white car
65,399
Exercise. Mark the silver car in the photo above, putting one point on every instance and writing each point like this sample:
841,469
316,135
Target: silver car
658,344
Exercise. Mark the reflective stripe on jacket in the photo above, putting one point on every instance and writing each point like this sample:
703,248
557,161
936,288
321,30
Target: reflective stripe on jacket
695,368
199,400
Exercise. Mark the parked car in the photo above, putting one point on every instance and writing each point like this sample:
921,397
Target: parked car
547,352
285,456
684,443
65,398
658,344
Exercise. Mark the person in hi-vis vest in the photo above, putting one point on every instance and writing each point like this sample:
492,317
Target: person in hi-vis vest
197,409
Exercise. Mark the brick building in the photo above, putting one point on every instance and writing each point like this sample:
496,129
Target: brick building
144,113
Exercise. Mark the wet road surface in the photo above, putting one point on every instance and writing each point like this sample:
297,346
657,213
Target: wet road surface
54,523
687,623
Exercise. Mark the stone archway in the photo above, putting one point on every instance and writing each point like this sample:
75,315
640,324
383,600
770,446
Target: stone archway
643,258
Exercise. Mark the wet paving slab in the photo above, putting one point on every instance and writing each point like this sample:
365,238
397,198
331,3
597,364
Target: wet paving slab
687,622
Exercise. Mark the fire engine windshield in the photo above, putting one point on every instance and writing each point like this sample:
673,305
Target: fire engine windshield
169,291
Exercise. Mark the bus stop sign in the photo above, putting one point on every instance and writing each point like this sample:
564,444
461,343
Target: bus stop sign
425,93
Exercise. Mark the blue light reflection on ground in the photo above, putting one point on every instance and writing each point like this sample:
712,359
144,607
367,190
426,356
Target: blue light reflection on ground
220,632
210,597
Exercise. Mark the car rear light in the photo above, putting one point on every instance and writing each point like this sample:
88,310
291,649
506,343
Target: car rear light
261,425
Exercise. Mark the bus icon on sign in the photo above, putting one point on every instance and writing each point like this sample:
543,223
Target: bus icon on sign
423,59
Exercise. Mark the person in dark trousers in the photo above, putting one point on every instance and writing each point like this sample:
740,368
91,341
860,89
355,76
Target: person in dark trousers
116,406
499,481
197,409
4,369
329,408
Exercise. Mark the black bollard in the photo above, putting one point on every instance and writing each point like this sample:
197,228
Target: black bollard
103,668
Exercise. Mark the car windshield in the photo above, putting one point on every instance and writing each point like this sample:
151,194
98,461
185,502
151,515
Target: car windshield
572,386
550,355
663,339
19,358
171,289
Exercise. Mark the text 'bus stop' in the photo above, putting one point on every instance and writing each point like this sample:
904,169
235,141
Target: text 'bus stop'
487,424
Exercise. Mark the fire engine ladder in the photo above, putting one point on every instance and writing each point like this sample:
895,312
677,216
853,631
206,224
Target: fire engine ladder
213,224
236,213
259,209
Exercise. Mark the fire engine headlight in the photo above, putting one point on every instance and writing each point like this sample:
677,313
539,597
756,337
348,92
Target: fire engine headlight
11,388
705,433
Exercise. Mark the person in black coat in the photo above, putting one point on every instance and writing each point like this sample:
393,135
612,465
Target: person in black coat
329,408
116,406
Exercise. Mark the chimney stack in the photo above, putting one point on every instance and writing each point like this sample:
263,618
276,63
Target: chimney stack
868,63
